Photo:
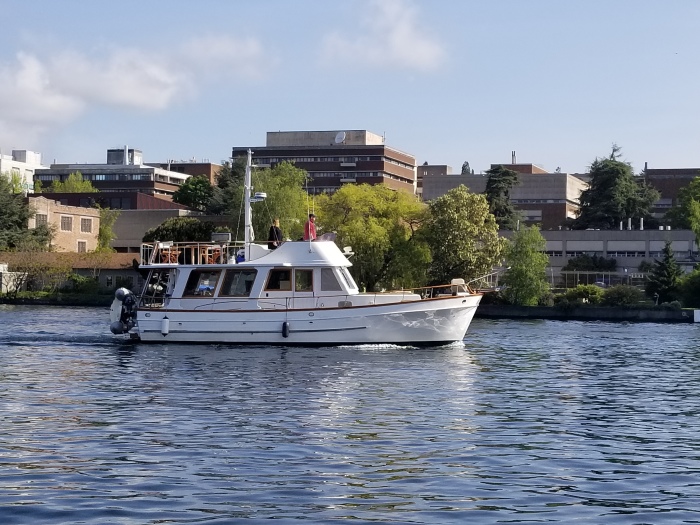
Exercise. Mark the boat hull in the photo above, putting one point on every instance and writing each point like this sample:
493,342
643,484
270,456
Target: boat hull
434,321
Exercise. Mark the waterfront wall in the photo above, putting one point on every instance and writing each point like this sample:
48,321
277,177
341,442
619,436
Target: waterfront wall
586,313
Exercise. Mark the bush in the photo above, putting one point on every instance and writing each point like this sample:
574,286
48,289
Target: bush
81,285
582,294
623,295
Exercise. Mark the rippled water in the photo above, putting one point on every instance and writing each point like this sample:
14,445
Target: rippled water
526,422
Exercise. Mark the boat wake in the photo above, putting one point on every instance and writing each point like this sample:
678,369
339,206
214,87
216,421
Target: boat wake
57,339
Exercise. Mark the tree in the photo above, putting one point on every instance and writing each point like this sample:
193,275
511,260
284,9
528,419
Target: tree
665,278
380,225
73,184
526,278
501,180
196,192
462,235
679,216
105,235
286,198
181,229
613,194
466,169
590,263
227,192
14,218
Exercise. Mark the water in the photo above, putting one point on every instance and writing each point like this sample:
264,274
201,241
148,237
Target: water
526,422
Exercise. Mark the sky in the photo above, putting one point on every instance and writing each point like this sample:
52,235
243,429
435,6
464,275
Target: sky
447,81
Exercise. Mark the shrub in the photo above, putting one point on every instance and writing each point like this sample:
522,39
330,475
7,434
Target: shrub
623,295
583,294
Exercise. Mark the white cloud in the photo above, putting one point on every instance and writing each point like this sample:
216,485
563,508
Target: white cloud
390,35
41,92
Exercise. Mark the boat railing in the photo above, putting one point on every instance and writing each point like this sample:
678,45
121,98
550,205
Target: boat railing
200,253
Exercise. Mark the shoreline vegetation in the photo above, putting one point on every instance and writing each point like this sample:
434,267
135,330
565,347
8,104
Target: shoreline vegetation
654,314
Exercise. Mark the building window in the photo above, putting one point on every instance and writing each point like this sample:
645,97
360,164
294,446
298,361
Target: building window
82,246
66,223
86,225
41,219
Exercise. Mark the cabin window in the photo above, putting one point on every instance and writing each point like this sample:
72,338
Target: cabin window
348,278
303,280
279,280
329,282
238,283
202,283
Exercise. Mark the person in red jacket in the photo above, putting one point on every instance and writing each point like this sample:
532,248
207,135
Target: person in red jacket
310,228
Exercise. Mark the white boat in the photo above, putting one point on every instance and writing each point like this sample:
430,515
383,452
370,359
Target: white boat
299,294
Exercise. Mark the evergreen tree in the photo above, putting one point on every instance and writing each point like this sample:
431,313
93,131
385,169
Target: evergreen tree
15,213
613,195
665,278
466,170
501,180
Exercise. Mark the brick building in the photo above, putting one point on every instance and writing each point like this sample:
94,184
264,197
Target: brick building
75,228
334,158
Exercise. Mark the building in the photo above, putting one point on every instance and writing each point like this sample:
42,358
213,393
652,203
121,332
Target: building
117,200
132,225
541,197
334,158
123,172
192,168
430,170
668,181
629,248
75,228
21,167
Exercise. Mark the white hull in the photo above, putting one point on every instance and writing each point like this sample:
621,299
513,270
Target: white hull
431,321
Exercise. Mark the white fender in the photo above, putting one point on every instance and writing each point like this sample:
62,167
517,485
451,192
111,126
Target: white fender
165,326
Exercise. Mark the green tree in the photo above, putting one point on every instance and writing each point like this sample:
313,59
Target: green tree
105,235
181,229
73,184
14,218
680,215
380,225
690,289
590,263
286,199
500,181
227,193
613,195
466,169
665,278
525,280
462,235
622,295
196,192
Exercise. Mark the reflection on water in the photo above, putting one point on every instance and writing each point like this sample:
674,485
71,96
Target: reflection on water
526,422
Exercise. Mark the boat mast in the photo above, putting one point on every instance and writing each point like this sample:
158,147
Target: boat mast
247,183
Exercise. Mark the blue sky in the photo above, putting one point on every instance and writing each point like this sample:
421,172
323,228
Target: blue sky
447,81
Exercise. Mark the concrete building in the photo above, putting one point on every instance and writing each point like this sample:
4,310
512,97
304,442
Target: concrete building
543,198
430,170
21,166
131,226
75,228
334,158
629,248
123,172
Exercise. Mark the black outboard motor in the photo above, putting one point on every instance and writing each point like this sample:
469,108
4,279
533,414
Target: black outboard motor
123,311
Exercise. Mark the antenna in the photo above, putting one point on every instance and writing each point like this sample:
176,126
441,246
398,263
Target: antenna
340,137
